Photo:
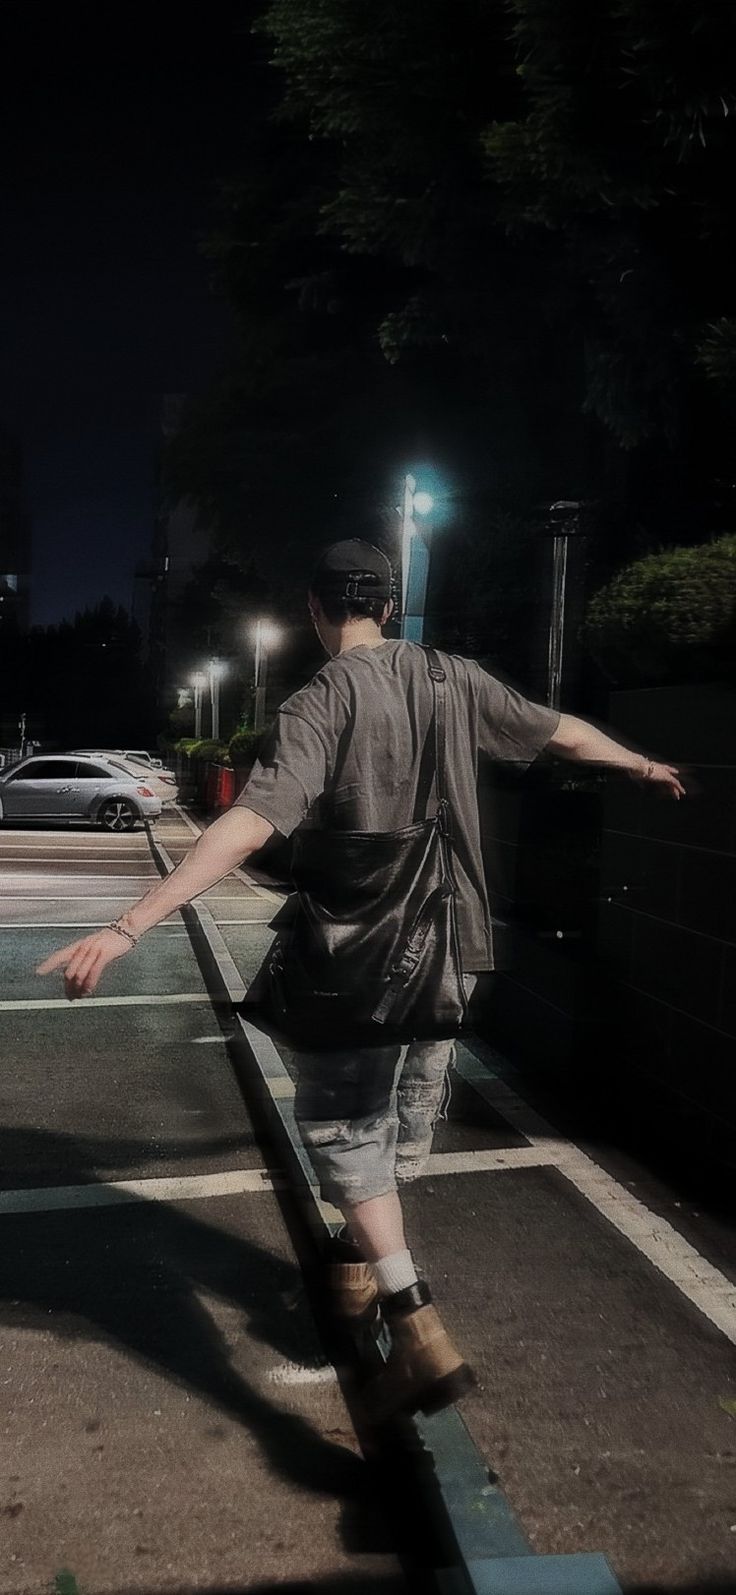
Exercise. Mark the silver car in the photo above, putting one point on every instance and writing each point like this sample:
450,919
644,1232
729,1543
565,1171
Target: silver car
65,787
163,782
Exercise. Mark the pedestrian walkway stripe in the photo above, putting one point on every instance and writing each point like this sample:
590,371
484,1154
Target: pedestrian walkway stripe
711,1291
83,1003
182,1188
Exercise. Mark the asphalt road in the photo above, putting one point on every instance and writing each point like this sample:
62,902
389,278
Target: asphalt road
169,1420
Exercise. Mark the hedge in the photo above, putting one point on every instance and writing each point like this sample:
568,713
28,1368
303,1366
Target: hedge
244,746
209,750
667,615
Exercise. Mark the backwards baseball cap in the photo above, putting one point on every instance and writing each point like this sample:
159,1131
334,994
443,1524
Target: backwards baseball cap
353,569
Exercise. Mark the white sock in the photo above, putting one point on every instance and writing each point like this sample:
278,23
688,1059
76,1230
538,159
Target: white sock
395,1273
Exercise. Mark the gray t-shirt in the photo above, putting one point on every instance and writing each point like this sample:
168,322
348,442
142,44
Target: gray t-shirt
345,751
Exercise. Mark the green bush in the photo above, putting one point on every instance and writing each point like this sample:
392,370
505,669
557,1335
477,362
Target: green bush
209,751
667,616
244,746
184,745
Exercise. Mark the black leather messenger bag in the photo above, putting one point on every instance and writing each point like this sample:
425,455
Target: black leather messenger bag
372,954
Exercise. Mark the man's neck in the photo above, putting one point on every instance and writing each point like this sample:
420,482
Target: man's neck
359,633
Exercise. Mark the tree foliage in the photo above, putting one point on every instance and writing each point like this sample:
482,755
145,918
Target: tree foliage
670,614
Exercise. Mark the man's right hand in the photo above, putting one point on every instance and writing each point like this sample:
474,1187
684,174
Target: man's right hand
663,776
84,961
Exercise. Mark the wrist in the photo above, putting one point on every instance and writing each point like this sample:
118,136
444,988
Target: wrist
125,935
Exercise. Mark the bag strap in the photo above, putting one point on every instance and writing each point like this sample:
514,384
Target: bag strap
435,735
438,678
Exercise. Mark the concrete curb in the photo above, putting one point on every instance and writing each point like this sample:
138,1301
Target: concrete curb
489,1553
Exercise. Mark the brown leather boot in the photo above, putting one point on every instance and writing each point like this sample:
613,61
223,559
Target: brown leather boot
351,1284
424,1371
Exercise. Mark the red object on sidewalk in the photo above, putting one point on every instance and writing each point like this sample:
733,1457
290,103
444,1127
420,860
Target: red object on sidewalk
225,790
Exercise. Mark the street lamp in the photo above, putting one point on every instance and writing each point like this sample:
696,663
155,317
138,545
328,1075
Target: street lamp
216,669
266,635
199,682
414,560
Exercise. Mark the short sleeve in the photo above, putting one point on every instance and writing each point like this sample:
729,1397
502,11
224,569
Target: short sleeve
511,727
289,774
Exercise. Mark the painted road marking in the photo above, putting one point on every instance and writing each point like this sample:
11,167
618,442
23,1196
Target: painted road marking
189,823
181,1188
93,924
77,924
236,1182
8,1004
711,1291
297,1373
102,897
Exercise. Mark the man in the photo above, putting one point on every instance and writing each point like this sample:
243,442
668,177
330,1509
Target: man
344,753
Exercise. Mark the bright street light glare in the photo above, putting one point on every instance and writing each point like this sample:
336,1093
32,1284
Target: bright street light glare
217,667
198,679
423,503
269,634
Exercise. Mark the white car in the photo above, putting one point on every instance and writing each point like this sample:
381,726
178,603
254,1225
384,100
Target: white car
162,782
66,786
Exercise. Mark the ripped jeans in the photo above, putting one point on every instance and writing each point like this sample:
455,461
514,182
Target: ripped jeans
367,1115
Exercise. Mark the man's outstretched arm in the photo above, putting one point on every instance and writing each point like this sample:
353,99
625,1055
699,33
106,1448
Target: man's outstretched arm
228,842
575,739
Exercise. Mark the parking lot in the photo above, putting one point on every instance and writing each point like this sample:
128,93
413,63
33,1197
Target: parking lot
169,1418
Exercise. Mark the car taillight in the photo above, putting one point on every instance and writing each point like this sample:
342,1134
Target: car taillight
145,791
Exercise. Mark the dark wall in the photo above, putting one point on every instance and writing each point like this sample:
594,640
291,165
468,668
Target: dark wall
618,960
667,925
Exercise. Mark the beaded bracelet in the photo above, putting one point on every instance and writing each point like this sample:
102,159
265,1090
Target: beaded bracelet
132,939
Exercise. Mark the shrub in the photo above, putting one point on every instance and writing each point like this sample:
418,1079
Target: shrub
244,746
209,751
669,615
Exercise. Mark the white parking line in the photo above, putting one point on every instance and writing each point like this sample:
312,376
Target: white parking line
73,875
82,1004
298,1373
88,924
189,823
184,1188
96,897
99,924
711,1291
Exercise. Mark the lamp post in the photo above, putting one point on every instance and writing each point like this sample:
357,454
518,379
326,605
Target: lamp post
266,635
216,669
199,681
414,561
563,522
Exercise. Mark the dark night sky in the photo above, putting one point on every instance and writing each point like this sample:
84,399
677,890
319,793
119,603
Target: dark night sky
118,122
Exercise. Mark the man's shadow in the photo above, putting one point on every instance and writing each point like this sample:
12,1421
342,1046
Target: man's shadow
129,1276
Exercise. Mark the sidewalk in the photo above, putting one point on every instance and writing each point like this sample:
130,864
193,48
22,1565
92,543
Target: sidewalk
603,1340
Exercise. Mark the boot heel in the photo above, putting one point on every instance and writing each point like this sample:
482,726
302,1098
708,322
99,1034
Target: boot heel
446,1391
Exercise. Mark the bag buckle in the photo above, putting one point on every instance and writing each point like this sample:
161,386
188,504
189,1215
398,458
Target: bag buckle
443,817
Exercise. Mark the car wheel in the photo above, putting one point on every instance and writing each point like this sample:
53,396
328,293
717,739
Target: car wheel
117,815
